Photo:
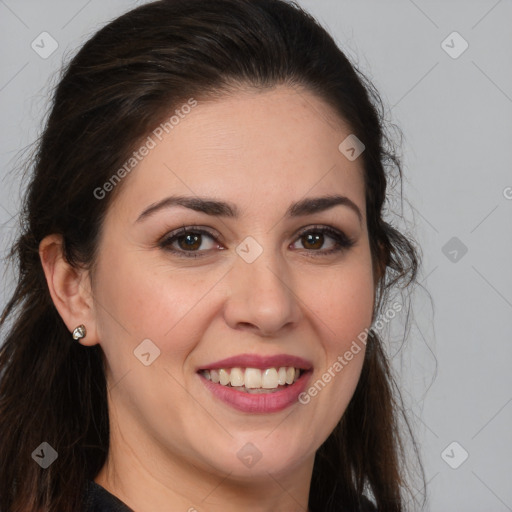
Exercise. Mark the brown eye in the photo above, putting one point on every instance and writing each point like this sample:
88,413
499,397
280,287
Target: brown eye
186,240
189,242
314,238
313,241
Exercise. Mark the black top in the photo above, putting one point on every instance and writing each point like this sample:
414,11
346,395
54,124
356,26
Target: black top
99,499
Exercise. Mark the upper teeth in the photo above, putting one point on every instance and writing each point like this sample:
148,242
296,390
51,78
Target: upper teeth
252,378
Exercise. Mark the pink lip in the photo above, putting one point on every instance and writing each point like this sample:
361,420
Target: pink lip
259,403
257,361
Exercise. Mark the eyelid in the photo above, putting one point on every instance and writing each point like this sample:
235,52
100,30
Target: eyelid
187,228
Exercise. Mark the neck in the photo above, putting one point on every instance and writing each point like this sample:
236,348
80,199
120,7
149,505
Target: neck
146,481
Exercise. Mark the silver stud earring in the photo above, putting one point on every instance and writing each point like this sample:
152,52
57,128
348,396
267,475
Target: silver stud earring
79,332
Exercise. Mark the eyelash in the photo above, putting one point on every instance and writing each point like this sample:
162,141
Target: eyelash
343,242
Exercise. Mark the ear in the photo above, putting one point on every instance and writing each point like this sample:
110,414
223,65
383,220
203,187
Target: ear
70,289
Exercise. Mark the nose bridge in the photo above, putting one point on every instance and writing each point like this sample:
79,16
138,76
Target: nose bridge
262,289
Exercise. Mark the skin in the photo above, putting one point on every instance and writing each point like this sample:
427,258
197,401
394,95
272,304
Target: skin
173,444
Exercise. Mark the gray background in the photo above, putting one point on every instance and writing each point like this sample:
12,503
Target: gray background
456,116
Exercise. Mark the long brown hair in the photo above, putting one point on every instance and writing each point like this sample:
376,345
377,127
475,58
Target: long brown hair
118,87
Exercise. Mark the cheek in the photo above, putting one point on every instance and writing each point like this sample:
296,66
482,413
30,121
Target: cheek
342,309
139,299
343,302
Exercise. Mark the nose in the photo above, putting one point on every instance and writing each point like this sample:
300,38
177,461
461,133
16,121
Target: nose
262,299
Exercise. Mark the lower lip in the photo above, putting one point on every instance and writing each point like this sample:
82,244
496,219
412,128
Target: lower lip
259,403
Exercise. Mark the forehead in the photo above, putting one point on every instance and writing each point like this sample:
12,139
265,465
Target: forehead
256,148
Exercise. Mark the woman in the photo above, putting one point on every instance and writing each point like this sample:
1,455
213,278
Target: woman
202,258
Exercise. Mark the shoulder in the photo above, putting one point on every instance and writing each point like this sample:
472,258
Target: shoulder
98,499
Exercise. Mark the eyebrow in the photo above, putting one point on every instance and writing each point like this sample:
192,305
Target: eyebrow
217,208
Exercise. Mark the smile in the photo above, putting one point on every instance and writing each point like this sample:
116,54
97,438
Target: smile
253,380
256,383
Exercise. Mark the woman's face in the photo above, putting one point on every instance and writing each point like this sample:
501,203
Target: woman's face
252,282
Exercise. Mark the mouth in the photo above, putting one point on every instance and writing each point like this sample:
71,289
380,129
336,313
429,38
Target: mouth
257,384
254,380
